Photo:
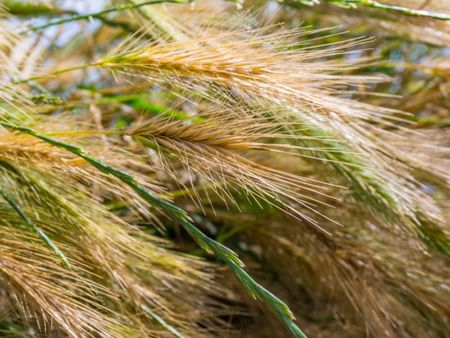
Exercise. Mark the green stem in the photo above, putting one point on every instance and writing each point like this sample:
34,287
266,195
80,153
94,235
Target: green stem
35,228
98,15
206,243
53,73
20,8
376,5
403,10
162,322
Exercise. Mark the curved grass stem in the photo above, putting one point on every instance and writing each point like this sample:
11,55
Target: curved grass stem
378,6
42,235
403,10
97,15
181,216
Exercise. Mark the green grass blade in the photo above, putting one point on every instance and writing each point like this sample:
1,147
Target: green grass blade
42,235
206,243
162,322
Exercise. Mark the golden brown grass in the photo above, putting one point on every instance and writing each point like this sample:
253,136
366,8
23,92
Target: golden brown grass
245,120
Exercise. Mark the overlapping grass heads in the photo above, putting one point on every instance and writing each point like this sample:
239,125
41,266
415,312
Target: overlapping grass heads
180,120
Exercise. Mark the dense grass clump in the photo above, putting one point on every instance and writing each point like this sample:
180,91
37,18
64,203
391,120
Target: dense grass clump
207,169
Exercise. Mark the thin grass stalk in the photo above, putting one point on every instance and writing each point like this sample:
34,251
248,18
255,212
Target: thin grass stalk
206,243
97,15
352,4
42,235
